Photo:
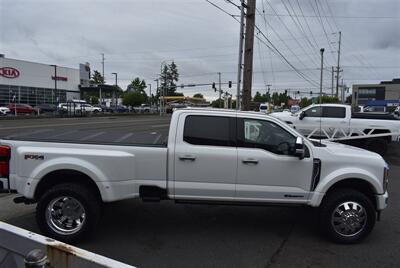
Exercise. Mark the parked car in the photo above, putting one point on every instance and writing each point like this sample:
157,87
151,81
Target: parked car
397,111
46,108
120,109
22,108
211,156
318,121
4,110
79,108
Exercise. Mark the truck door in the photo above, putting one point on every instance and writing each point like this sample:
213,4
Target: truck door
267,168
334,119
205,158
310,121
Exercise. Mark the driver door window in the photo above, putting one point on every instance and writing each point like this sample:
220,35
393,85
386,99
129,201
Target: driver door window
313,112
266,135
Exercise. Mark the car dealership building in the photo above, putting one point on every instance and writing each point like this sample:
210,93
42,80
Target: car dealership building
37,83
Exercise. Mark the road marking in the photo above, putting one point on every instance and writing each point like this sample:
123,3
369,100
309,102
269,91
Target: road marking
157,139
124,137
62,134
29,133
162,125
92,136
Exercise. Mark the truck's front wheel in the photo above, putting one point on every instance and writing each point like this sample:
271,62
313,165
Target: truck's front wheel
347,216
67,212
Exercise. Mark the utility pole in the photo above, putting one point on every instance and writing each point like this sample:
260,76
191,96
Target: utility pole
102,64
150,94
322,73
158,89
333,80
239,74
248,54
219,89
338,66
116,86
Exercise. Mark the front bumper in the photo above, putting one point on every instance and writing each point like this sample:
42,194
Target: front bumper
382,201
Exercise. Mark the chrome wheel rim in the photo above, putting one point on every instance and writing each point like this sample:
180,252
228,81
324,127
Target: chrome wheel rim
349,218
65,215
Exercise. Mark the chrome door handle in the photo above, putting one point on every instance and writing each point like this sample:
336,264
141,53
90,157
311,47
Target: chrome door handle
250,161
187,158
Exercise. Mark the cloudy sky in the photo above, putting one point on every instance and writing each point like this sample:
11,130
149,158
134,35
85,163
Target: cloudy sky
136,36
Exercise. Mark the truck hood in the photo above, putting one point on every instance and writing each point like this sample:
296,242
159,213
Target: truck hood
347,155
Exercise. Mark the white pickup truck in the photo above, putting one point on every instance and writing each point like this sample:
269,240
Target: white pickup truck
212,156
372,131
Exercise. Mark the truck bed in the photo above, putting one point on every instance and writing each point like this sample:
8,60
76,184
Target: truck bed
157,137
380,116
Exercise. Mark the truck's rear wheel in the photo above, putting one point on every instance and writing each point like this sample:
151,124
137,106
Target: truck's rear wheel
347,216
68,212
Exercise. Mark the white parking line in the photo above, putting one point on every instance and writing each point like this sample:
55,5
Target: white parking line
29,133
92,136
162,125
63,134
124,137
157,139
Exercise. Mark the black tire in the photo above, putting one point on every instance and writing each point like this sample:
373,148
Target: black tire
329,205
87,199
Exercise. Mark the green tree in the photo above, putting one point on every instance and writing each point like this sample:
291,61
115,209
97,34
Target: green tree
168,79
304,102
137,85
218,103
329,99
198,95
349,99
262,98
133,98
97,78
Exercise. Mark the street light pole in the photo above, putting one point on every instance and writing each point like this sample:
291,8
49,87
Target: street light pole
219,89
55,83
322,73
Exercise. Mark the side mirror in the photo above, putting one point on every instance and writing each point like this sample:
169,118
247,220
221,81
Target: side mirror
300,148
302,115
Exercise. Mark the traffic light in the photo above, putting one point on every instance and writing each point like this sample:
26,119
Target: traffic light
285,92
310,92
229,84
298,92
213,85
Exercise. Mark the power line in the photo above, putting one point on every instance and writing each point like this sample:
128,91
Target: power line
338,17
270,46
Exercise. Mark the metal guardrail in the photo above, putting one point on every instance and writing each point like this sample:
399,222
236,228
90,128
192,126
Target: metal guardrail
21,248
339,134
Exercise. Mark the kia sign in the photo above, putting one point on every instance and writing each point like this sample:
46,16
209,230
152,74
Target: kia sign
9,72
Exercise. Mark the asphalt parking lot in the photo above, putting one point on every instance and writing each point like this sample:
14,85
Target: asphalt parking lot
168,235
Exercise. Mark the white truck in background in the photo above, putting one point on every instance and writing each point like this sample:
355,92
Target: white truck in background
337,122
212,156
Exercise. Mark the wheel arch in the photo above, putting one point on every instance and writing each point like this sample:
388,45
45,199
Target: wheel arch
66,176
359,184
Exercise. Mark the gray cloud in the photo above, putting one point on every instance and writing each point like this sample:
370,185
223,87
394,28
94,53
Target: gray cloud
136,36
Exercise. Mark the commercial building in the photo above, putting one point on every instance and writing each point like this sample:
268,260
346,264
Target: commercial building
386,93
37,83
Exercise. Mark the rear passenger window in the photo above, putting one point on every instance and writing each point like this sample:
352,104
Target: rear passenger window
207,130
334,112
